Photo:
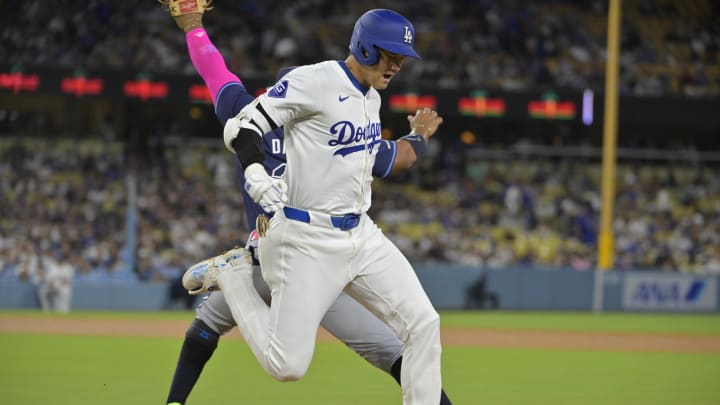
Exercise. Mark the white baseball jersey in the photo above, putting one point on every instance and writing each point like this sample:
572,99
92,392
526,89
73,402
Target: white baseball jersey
332,127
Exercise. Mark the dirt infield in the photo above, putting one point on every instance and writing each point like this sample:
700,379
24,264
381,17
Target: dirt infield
451,336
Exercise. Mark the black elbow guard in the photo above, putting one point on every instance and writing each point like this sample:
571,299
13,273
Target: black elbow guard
248,147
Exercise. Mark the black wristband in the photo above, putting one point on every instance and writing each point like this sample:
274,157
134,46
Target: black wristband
418,144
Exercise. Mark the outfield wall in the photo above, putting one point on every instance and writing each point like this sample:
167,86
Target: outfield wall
516,288
553,289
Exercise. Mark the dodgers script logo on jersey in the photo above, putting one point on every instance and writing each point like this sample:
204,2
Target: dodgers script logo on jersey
348,134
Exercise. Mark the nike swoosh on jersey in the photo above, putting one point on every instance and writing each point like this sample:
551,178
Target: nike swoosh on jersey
341,98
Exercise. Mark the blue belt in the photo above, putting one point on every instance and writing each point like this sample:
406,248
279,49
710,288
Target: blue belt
345,222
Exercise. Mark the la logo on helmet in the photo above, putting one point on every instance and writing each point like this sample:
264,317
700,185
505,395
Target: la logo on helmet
408,36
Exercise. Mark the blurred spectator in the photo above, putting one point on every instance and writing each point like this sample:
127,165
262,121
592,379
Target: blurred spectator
482,44
666,216
526,212
478,295
55,283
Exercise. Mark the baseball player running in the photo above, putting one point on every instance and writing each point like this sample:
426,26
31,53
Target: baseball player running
346,318
320,242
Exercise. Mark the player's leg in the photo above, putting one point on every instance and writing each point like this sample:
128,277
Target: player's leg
306,271
368,336
363,332
346,319
44,294
387,284
213,319
64,298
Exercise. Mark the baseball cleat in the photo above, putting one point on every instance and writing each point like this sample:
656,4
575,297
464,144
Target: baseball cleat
238,257
202,277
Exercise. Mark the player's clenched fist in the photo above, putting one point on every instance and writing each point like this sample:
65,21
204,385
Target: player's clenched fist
269,192
425,122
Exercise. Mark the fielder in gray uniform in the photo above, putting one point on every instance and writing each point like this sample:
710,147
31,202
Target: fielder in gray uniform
320,242
346,319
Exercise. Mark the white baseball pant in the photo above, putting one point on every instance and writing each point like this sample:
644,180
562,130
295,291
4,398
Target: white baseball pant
307,267
346,319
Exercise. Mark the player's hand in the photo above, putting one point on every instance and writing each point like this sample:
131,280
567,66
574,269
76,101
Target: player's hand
425,122
187,13
268,192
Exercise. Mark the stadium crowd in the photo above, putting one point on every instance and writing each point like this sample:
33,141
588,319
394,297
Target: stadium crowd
66,203
65,207
111,210
71,209
668,47
545,214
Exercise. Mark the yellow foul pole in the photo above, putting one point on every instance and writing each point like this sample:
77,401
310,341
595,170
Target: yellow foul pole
606,240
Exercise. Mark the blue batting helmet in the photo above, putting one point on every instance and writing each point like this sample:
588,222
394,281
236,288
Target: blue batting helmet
384,29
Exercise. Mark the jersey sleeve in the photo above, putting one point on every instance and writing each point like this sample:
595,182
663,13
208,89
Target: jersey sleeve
385,158
231,98
296,95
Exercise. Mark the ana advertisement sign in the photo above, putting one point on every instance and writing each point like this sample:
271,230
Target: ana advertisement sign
669,292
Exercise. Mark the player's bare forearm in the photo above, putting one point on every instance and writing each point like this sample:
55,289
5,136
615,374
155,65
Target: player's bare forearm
405,158
189,22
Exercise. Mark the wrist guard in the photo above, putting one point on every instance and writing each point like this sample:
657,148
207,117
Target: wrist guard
418,144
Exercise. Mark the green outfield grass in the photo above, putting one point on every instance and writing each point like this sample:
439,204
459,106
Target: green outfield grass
694,324
42,369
